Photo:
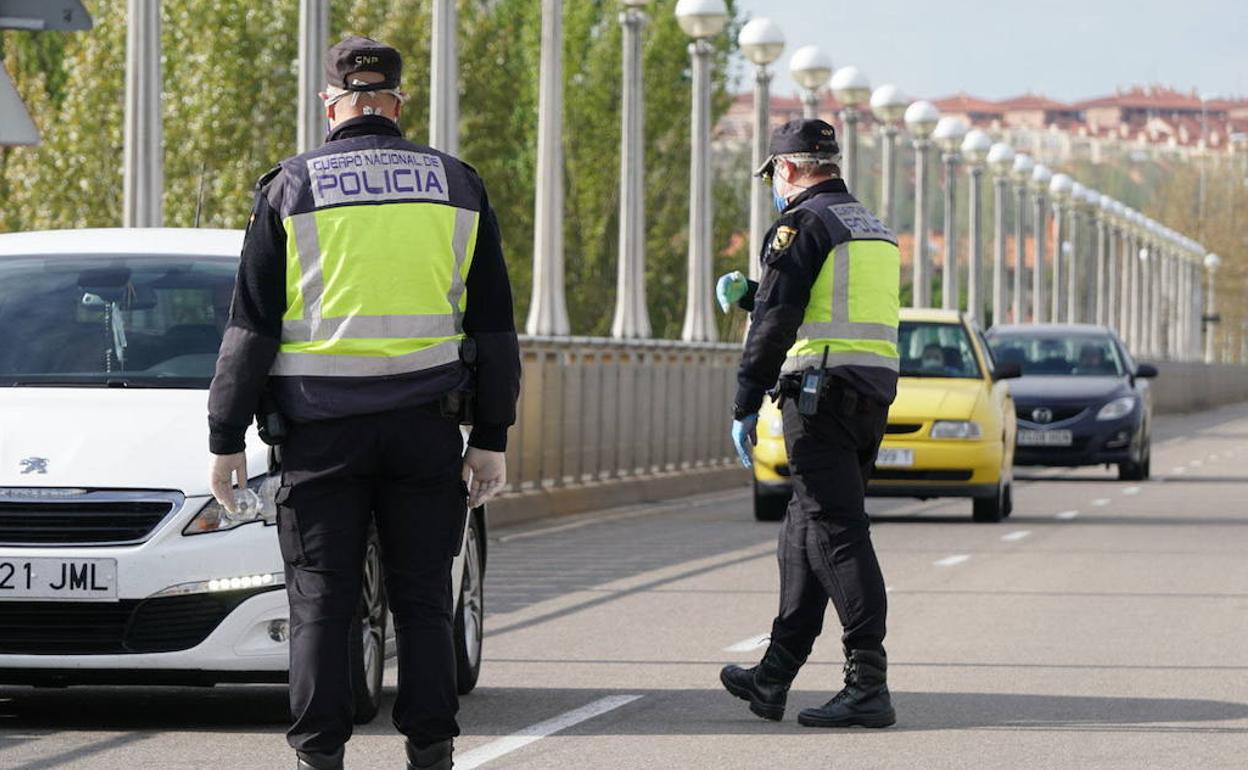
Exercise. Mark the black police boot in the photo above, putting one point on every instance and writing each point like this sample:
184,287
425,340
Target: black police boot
436,756
864,701
765,686
316,760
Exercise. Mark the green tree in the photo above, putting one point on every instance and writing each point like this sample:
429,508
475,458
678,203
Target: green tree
229,115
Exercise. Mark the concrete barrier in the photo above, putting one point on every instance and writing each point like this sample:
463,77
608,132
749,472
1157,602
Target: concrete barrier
1191,387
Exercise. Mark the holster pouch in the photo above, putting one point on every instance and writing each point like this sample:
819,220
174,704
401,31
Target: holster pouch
270,422
458,405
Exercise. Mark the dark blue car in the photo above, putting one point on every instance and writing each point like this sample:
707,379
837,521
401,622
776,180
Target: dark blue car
1082,399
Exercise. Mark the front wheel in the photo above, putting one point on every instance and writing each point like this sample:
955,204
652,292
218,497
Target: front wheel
1140,470
994,509
368,637
470,614
769,506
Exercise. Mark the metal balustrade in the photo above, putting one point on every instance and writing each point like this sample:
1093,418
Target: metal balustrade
594,410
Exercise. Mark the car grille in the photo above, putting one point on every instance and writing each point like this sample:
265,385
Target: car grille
899,428
80,517
1060,413
164,624
893,474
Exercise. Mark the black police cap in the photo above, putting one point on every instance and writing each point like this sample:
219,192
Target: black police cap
800,137
362,54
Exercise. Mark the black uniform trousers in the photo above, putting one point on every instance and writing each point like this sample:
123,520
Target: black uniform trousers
401,469
825,546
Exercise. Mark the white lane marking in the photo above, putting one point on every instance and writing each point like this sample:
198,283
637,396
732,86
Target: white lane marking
1014,537
1131,491
953,561
1196,463
1067,515
749,644
1179,470
518,740
1101,502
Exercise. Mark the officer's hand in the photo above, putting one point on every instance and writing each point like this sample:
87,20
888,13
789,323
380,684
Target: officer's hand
745,436
226,470
485,473
730,289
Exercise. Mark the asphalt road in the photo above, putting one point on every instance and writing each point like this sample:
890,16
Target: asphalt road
1104,625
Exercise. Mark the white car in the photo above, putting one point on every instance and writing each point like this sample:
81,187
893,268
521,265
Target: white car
116,565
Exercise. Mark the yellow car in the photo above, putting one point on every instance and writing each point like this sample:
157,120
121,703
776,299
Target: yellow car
950,431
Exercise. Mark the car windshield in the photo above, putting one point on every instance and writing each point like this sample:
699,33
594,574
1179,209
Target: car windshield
1063,355
933,349
123,321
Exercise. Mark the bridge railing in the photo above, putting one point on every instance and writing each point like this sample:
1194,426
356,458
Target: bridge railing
598,410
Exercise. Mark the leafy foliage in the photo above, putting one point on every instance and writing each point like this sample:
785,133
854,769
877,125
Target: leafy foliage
229,115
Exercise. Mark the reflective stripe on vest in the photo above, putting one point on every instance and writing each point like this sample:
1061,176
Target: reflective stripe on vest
375,290
853,310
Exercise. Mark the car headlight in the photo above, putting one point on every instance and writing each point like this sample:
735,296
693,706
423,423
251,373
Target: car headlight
1116,409
256,503
956,429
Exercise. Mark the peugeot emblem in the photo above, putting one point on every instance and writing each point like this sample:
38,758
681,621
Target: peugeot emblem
1042,415
34,465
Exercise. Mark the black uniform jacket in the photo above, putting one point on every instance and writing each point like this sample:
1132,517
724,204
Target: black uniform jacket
254,334
791,263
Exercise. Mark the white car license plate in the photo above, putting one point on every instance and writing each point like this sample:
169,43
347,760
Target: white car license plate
1045,438
895,458
64,579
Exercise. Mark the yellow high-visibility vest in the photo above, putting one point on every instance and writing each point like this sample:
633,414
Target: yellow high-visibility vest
854,302
376,266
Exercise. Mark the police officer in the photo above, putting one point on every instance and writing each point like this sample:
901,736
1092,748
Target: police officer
824,337
372,301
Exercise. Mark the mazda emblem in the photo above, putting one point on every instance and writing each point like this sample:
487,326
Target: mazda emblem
1042,415
34,465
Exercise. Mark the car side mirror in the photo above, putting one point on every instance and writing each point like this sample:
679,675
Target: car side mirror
1146,371
1007,371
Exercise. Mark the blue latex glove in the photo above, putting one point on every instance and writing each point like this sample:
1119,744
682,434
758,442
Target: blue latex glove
745,436
730,289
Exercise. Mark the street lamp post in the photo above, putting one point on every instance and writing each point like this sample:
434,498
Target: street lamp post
143,177
1021,172
632,321
1102,298
1153,300
313,39
949,134
1126,260
975,149
1139,285
853,91
548,310
1040,179
444,78
810,68
889,106
1131,266
921,118
701,20
762,42
1060,188
1077,281
1212,262
1001,161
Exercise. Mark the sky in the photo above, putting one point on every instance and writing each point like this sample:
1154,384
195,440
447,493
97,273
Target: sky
1064,49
